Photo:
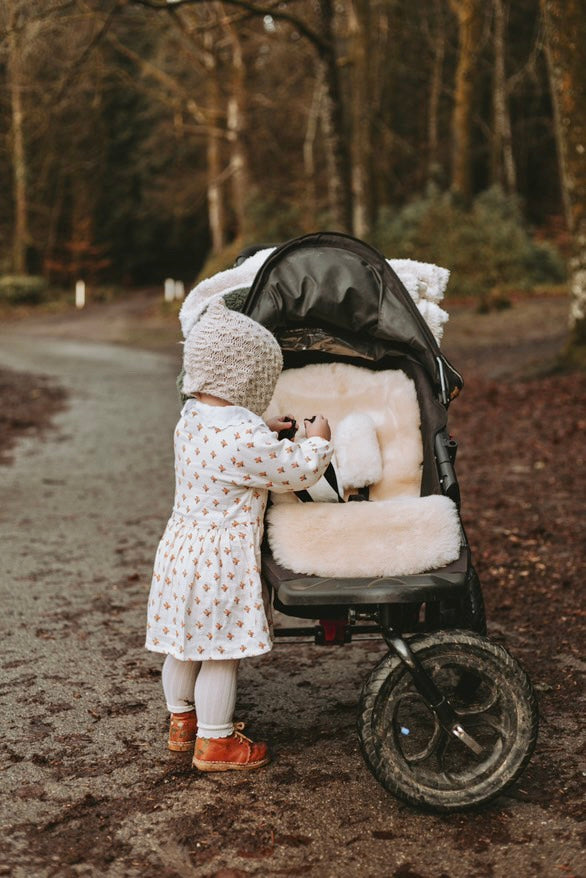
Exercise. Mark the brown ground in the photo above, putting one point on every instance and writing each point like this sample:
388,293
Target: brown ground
28,404
524,510
316,811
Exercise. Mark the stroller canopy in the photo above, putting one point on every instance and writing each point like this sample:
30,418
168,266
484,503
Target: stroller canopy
333,292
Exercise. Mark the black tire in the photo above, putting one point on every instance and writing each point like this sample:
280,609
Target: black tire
414,758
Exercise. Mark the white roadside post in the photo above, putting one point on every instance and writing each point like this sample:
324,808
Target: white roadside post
179,290
80,294
169,289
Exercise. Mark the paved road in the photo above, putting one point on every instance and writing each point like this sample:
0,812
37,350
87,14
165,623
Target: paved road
88,786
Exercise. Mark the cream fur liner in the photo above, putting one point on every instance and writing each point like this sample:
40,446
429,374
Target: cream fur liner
401,532
388,538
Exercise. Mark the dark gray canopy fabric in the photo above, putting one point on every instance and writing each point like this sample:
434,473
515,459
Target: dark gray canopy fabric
346,289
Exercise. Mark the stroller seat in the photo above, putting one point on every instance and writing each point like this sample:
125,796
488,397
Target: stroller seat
297,590
379,546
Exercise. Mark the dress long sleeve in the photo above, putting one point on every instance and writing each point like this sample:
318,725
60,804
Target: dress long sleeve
262,460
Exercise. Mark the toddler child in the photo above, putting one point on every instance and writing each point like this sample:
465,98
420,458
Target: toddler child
206,609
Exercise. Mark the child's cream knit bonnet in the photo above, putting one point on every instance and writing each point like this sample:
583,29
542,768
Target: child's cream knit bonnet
229,355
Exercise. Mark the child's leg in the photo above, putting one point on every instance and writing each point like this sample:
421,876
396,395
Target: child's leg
215,698
179,683
220,746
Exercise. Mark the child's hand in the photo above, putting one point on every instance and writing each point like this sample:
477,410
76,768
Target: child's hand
318,426
280,423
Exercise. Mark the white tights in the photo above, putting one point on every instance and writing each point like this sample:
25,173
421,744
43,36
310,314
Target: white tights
210,685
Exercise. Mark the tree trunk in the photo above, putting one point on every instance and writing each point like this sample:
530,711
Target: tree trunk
19,166
503,163
237,134
469,27
336,145
362,113
311,129
565,33
215,165
435,90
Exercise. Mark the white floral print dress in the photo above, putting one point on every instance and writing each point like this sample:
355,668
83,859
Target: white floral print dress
206,598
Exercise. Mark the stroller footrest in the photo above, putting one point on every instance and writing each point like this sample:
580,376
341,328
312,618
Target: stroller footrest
294,589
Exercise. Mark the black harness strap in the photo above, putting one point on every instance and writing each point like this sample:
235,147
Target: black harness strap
330,477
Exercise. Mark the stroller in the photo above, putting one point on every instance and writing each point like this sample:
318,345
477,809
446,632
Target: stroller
447,719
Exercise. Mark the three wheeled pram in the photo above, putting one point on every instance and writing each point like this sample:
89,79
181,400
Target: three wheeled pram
447,719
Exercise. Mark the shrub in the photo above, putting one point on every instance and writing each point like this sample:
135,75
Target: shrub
16,289
485,247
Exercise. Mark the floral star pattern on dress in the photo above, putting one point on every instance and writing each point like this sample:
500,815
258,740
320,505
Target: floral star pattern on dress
206,598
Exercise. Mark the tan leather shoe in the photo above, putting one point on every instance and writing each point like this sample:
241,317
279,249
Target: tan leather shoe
234,753
182,731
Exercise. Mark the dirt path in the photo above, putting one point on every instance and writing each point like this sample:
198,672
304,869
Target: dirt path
88,787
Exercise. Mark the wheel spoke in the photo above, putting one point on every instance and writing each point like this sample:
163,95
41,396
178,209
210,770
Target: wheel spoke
491,701
411,721
480,720
441,751
467,688
416,758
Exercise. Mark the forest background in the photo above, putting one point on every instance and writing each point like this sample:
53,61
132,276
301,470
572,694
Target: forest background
145,139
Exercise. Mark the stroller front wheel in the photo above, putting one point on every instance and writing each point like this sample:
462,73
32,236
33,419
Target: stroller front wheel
414,757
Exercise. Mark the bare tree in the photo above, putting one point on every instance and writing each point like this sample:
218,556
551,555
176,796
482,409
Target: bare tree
565,34
468,13
38,90
333,124
198,31
15,26
322,39
360,13
237,119
215,158
438,42
503,162
313,116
